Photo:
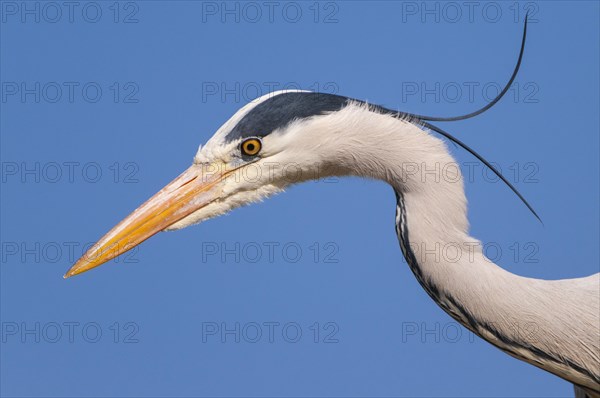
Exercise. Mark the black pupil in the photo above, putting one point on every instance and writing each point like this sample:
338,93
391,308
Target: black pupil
250,147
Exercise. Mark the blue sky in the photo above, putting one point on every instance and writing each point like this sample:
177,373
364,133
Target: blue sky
103,103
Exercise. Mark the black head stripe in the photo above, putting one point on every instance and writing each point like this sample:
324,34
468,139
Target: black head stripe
281,110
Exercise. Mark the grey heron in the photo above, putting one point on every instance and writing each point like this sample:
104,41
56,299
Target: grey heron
331,135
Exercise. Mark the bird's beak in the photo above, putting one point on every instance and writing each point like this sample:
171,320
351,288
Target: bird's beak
192,190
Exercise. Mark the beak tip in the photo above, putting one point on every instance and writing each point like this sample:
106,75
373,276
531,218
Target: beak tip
69,274
189,192
74,270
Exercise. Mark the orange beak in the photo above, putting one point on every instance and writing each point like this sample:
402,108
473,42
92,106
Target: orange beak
192,190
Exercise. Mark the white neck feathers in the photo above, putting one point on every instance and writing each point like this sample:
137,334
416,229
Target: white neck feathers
551,324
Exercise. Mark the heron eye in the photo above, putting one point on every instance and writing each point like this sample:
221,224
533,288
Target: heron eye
251,146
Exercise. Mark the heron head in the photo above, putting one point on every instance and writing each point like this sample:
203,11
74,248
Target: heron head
266,146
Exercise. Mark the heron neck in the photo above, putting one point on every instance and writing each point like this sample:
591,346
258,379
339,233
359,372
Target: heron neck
534,320
550,324
431,219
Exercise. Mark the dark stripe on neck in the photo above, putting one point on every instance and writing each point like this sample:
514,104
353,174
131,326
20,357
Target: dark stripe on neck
409,255
461,314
